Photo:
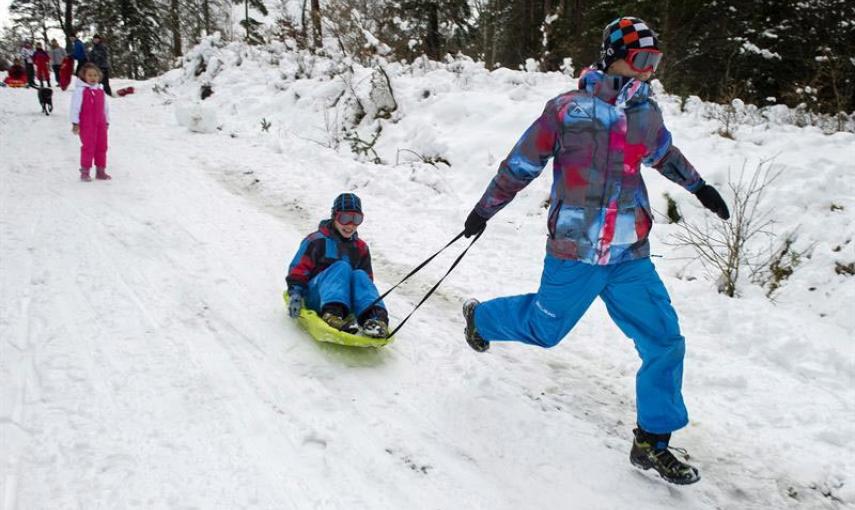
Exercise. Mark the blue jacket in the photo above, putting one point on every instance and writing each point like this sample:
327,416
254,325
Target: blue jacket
597,136
78,51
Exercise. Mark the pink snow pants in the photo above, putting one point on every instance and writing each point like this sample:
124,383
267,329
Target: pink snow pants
93,130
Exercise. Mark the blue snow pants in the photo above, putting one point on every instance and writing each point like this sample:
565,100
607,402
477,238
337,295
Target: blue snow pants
340,283
637,302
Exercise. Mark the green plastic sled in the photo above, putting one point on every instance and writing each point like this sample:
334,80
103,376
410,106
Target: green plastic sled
323,332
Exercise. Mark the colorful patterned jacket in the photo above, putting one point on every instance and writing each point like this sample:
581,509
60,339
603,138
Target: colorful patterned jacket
598,136
321,249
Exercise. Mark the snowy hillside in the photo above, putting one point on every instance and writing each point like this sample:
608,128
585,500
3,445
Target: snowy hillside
147,361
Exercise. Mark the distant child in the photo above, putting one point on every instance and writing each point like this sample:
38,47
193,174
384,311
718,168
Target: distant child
331,274
27,60
17,75
41,59
90,118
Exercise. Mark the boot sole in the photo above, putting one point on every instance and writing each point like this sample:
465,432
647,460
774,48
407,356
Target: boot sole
644,466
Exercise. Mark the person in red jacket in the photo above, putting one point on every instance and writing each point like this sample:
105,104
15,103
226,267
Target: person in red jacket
17,75
41,59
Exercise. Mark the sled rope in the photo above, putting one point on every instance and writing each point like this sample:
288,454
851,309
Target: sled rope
419,268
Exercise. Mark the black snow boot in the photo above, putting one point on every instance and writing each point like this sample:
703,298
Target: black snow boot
474,340
652,451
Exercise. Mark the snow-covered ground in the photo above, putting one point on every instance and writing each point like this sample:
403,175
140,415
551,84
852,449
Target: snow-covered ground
146,360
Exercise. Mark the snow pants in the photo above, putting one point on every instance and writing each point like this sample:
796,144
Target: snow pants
340,283
93,144
31,74
43,74
105,81
637,302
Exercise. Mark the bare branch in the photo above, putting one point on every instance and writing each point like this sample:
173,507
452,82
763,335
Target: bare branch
725,248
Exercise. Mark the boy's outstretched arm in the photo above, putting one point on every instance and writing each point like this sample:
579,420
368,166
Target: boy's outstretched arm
671,163
523,165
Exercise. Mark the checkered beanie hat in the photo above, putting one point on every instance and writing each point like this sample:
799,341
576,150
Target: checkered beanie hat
622,35
347,202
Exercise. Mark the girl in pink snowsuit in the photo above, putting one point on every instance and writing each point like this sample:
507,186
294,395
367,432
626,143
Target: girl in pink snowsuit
90,118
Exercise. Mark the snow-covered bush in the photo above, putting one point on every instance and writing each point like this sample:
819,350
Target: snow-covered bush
737,113
196,117
360,95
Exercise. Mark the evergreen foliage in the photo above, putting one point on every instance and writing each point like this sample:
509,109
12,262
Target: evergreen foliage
762,51
251,26
132,31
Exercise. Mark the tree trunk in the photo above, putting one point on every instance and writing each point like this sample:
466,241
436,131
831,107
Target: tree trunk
206,15
303,28
578,13
176,28
489,32
45,16
316,23
432,41
246,18
69,22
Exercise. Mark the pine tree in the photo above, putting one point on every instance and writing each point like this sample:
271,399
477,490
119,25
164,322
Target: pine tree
200,18
439,26
249,24
131,30
175,27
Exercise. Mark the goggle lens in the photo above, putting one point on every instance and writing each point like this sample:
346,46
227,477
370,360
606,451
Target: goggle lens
643,61
349,218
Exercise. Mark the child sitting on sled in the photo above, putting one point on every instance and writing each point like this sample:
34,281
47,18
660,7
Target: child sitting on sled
331,274
17,76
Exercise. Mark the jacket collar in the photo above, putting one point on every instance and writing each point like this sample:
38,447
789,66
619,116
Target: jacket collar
612,89
83,85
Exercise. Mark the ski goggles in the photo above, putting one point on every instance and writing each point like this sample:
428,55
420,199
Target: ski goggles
349,217
642,60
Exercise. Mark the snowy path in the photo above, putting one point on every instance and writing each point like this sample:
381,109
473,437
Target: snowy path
147,362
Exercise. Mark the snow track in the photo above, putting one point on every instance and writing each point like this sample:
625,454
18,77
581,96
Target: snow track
147,362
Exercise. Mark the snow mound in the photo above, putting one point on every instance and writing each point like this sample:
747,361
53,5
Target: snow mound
197,117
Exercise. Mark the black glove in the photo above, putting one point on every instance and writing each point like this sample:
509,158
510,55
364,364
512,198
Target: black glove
475,224
710,199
